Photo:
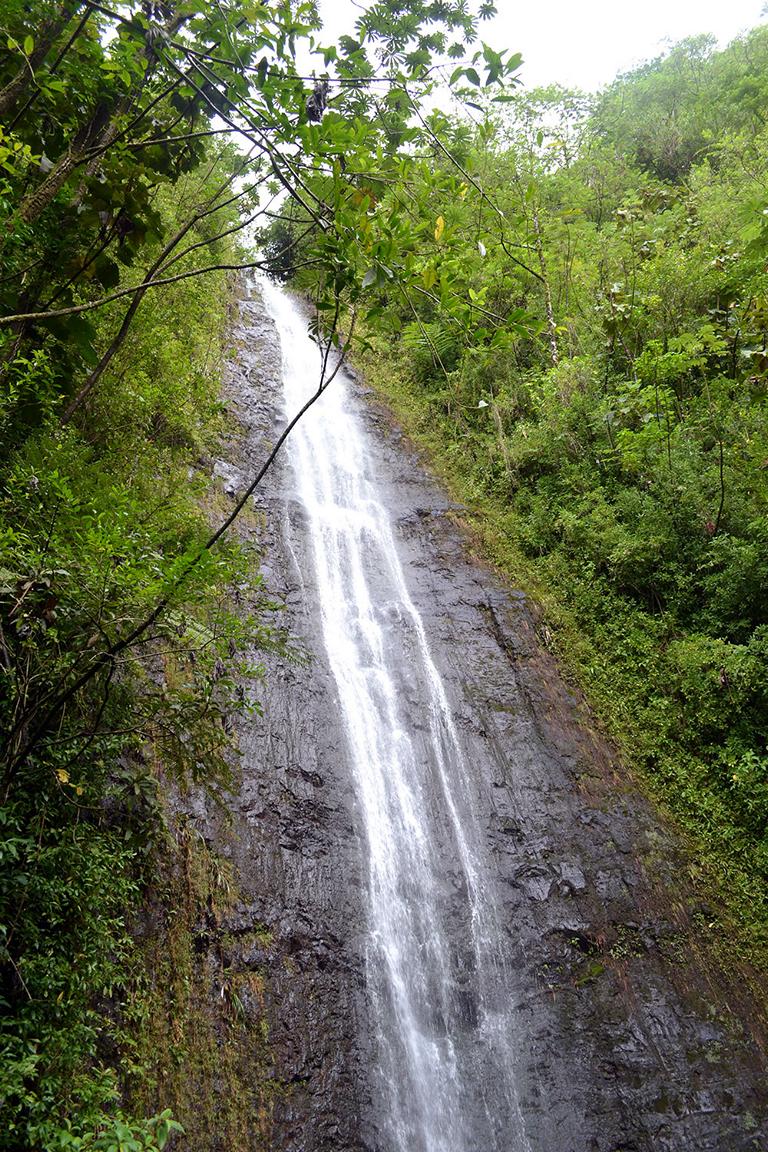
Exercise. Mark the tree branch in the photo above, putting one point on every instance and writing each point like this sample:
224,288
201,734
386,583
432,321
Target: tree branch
122,332
106,658
76,309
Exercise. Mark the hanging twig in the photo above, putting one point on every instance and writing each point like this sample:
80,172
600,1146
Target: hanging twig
58,702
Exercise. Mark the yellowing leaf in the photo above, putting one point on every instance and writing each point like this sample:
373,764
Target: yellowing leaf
429,277
62,775
439,228
463,189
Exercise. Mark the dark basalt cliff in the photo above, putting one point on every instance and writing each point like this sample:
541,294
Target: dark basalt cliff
631,1041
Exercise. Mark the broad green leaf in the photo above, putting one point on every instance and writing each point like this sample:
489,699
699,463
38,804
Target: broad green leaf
107,272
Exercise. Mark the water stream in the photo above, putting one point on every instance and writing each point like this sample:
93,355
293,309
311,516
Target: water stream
439,984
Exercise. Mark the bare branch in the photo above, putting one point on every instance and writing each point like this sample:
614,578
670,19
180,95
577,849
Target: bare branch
77,309
260,141
106,658
136,145
149,279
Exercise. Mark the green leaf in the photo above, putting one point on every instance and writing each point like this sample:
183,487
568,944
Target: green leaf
349,46
80,332
107,272
29,45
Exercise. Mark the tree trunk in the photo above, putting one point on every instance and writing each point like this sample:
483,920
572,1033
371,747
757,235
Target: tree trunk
46,37
122,332
554,352
97,134
39,198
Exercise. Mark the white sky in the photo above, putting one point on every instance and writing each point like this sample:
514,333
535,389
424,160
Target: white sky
584,43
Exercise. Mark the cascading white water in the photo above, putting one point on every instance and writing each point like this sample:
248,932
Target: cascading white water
440,991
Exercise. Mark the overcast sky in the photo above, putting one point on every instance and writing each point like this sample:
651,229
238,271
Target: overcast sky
584,43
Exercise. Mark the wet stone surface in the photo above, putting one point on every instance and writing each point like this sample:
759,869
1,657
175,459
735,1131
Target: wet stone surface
628,1041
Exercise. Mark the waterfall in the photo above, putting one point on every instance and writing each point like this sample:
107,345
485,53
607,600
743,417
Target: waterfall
439,984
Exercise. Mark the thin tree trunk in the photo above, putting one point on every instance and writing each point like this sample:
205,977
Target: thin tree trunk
122,332
97,135
501,437
35,202
554,351
46,37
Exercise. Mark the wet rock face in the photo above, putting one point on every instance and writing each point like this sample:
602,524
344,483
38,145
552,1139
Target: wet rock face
632,1043
629,1042
290,831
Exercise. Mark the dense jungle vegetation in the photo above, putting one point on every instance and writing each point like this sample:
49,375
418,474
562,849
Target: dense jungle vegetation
567,299
569,309
137,142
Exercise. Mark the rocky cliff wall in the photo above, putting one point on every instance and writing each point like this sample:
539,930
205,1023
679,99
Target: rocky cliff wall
631,1039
